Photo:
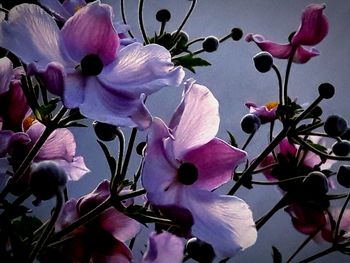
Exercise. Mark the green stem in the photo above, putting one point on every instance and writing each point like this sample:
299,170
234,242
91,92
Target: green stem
194,41
46,233
289,66
129,151
280,87
141,25
177,34
122,10
117,175
308,110
258,160
272,126
248,140
320,254
337,226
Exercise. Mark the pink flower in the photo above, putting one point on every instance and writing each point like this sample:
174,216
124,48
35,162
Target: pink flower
102,239
185,162
312,30
266,113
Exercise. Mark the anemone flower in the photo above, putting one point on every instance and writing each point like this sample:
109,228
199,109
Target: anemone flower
266,113
312,30
185,162
83,64
102,239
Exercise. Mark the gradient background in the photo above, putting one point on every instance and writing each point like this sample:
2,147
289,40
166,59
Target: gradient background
233,80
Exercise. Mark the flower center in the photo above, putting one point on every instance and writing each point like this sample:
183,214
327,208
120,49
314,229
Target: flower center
91,65
187,173
271,105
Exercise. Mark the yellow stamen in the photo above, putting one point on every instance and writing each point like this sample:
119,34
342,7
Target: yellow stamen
271,105
28,122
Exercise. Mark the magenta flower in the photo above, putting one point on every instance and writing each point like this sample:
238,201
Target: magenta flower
83,64
101,240
266,113
312,30
164,247
185,162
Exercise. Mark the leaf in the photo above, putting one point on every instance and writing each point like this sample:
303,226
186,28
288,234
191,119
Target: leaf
276,255
232,139
189,62
112,163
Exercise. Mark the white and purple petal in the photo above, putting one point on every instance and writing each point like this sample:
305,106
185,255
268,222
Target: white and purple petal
6,74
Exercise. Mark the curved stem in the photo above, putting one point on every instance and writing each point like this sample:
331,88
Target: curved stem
278,182
248,140
48,229
272,126
308,110
177,34
320,254
286,79
117,174
129,151
280,87
195,41
122,10
142,27
337,226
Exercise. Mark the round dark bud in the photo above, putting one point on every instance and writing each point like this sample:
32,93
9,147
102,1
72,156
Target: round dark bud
263,61
326,90
210,44
163,15
200,250
341,148
250,123
91,65
187,173
104,131
47,178
182,37
315,184
346,134
236,33
343,176
317,111
335,126
140,148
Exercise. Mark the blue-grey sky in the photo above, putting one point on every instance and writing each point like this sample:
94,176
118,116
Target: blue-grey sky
233,80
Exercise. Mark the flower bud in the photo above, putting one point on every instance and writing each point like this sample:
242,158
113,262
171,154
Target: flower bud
263,61
200,250
346,134
140,148
315,184
163,15
326,90
335,126
182,37
236,33
250,123
343,176
47,178
104,131
210,44
341,148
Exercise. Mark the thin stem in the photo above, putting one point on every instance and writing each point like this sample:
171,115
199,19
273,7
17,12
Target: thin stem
337,226
280,87
195,41
320,254
278,182
131,195
15,203
162,27
117,175
281,203
262,169
122,10
308,109
177,34
225,38
310,127
272,126
258,160
129,151
289,66
48,229
141,25
302,245
248,140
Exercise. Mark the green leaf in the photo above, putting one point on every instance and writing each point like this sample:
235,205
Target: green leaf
112,163
189,62
276,255
232,139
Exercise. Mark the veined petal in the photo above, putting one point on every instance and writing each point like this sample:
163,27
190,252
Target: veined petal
303,55
275,49
225,222
6,74
196,122
75,169
313,27
164,247
73,89
215,162
142,69
90,31
32,35
68,215
158,173
109,106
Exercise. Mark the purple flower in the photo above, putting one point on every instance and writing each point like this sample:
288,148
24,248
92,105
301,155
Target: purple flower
102,240
312,30
164,247
185,162
266,113
83,64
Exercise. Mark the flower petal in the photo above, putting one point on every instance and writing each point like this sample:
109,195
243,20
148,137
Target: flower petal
142,69
215,162
275,49
5,137
73,6
6,74
29,24
196,121
68,215
313,27
225,222
164,247
90,31
75,169
303,55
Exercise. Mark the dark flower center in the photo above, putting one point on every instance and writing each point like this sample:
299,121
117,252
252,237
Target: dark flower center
187,173
91,65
